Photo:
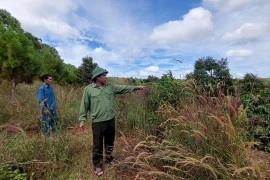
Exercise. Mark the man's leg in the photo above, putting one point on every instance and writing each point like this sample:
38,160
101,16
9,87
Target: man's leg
98,132
109,136
54,122
45,125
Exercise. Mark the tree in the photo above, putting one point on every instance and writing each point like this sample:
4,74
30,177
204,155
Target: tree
19,62
9,21
85,70
52,62
251,84
36,41
151,78
211,71
23,56
212,74
69,74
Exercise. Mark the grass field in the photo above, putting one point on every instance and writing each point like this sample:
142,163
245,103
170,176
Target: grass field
203,138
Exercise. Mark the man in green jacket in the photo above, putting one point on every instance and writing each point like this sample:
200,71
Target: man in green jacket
98,99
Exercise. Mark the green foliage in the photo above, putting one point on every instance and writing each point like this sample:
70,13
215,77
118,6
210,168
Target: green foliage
69,74
258,113
23,56
255,96
209,71
251,84
10,173
216,69
165,91
131,81
4,16
9,21
85,70
52,63
18,61
202,77
55,66
151,79
36,41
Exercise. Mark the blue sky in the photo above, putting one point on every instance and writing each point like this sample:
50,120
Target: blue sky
143,37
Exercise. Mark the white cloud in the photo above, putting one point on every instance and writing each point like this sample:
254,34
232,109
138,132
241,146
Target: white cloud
230,5
240,3
113,23
195,25
246,33
238,53
239,75
72,53
104,57
44,18
152,70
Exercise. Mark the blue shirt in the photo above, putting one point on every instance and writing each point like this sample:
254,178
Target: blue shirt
46,97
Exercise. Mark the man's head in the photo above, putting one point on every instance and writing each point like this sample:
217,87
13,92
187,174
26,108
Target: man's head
99,74
47,79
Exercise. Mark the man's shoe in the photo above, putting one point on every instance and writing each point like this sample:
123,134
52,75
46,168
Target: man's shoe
98,171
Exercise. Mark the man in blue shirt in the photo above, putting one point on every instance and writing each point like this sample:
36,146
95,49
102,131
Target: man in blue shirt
47,104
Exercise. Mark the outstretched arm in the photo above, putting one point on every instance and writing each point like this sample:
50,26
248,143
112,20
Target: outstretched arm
122,89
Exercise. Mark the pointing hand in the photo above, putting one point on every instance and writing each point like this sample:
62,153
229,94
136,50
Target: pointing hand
82,127
141,87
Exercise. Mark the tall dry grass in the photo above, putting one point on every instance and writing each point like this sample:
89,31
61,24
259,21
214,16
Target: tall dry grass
23,107
203,139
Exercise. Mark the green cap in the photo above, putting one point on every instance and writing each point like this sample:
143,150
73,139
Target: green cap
98,71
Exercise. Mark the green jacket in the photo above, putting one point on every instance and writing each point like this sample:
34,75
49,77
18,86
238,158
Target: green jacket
100,101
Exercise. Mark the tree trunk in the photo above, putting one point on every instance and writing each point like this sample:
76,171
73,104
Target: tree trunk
13,89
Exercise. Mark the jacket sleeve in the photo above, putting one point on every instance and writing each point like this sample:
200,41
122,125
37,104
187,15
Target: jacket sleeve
122,89
85,107
41,98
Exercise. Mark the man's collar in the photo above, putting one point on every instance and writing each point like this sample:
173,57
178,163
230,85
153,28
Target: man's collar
46,85
96,86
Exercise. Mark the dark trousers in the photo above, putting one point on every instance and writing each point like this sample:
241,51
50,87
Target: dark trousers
103,131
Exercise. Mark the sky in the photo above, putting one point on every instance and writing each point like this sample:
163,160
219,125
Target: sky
145,37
